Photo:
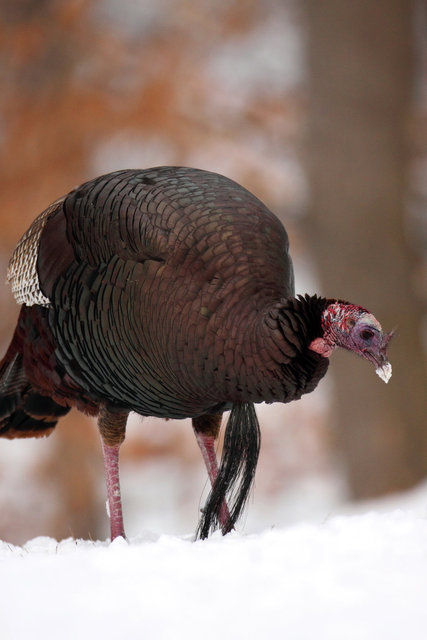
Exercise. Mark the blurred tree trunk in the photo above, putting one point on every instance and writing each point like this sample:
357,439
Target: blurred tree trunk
360,80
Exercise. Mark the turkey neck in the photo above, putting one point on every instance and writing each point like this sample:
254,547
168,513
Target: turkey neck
276,362
261,354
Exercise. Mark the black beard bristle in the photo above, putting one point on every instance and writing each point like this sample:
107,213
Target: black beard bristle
237,470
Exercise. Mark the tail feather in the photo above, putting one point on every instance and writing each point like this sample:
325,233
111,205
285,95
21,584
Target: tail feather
12,380
24,412
237,470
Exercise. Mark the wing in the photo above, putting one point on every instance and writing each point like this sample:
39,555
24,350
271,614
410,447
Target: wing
22,272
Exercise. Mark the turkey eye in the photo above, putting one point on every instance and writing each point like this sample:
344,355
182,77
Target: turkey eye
366,334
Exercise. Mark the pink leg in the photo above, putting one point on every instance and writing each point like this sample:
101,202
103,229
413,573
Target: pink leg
112,427
111,467
206,443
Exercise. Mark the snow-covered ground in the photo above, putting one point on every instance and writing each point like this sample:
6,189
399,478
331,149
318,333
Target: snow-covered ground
360,575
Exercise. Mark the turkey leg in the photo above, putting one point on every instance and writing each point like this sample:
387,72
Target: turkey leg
112,427
206,429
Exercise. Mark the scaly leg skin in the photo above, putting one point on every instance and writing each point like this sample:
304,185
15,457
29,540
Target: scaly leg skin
111,467
112,427
206,429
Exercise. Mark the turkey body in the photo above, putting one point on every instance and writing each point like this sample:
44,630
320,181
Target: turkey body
168,292
163,287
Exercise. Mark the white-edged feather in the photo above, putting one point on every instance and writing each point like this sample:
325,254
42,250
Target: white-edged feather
22,271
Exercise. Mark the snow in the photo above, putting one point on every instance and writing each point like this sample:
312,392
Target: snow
360,575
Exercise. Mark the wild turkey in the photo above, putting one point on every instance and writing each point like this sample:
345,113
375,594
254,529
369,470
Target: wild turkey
168,292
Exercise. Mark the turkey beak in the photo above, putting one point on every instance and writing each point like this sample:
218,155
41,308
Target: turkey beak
383,369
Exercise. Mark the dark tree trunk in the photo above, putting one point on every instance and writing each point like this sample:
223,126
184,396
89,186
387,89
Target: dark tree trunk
360,79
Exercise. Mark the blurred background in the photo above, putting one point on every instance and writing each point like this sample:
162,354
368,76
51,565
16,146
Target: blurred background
320,109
